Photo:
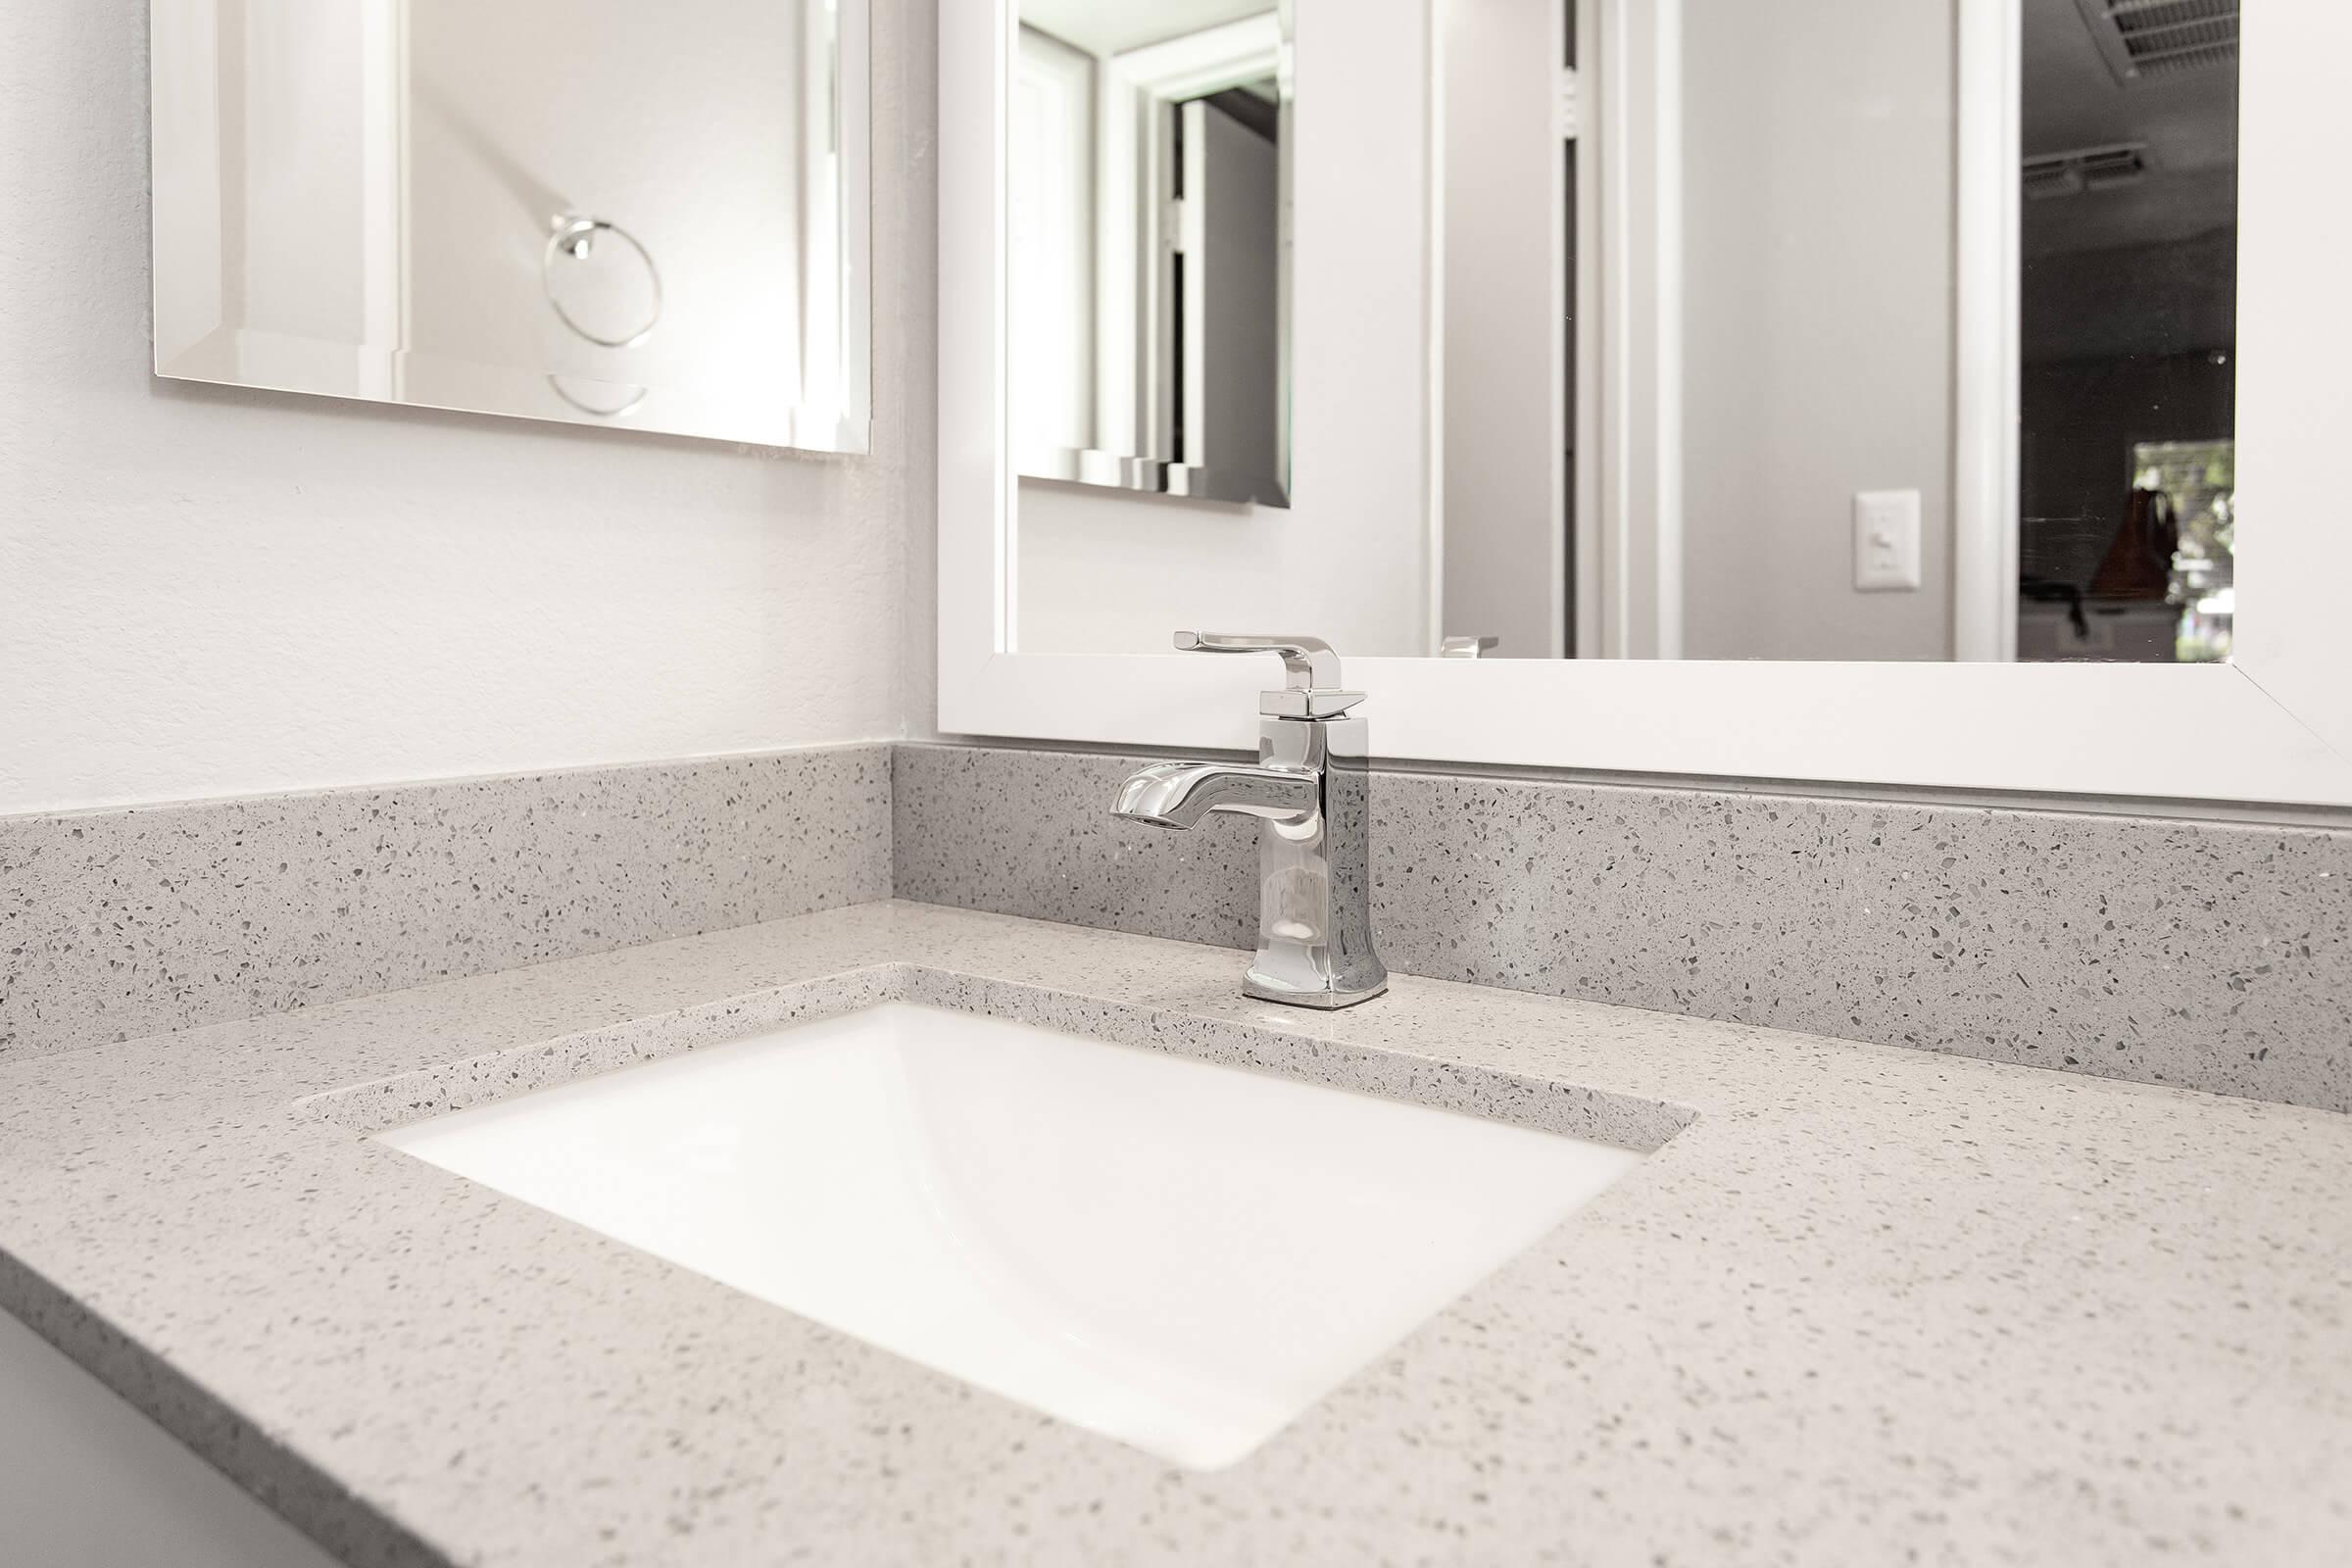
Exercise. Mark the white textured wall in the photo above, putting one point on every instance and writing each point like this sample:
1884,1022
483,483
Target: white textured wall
1817,334
208,591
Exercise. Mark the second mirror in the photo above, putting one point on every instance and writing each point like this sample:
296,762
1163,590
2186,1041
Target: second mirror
1150,177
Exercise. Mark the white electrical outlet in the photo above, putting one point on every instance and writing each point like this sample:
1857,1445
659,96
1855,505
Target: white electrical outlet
1887,541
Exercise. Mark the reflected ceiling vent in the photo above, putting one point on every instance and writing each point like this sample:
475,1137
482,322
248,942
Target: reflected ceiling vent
2085,168
2147,40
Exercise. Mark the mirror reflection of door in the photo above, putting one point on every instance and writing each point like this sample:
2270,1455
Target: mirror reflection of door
1149,247
1227,258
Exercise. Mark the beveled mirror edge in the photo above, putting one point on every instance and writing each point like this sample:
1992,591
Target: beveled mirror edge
1152,476
2278,723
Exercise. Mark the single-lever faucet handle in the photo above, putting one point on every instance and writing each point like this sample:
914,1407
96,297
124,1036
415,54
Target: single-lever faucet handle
1309,661
1313,671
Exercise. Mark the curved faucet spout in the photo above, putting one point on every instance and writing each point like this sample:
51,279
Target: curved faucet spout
1311,791
1177,794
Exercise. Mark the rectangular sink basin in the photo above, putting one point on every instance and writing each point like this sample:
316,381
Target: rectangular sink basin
1178,1254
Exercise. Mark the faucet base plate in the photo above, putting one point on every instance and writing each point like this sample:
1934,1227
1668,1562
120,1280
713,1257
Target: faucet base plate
1320,1000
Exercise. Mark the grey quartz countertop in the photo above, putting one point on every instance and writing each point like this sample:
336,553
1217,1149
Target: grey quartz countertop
1866,1305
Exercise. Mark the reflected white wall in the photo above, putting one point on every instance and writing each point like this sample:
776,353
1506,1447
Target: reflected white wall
1505,281
1819,157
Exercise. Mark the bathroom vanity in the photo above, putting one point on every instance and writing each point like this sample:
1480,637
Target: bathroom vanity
1791,1006
1849,1303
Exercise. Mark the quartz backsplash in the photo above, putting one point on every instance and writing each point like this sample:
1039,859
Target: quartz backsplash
121,923
2207,955
2202,954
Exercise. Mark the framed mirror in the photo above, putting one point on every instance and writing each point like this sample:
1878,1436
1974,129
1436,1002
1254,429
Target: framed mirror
1827,391
603,214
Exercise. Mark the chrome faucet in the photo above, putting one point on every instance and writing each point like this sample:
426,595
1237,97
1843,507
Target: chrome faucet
1310,791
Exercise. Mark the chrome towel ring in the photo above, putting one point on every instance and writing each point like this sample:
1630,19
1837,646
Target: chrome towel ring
576,238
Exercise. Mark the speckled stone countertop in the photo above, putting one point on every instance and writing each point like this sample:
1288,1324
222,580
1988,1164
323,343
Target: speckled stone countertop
1862,1304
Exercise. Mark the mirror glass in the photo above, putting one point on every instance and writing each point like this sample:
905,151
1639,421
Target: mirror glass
1824,329
593,211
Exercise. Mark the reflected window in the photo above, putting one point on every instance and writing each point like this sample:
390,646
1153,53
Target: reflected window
2198,480
2127,341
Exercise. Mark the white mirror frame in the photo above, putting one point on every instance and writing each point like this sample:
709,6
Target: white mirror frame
2274,726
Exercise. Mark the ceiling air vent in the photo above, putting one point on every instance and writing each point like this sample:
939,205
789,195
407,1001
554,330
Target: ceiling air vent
2146,41
2071,173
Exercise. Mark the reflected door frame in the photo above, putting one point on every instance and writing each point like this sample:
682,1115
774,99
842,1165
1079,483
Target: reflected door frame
1135,174
1628,534
1990,118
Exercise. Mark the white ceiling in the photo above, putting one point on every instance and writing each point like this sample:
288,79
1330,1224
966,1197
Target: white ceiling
1110,26
2189,121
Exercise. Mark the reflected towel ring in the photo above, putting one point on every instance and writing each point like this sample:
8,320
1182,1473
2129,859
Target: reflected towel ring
556,383
575,237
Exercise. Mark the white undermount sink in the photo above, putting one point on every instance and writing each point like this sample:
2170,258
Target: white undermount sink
1181,1255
